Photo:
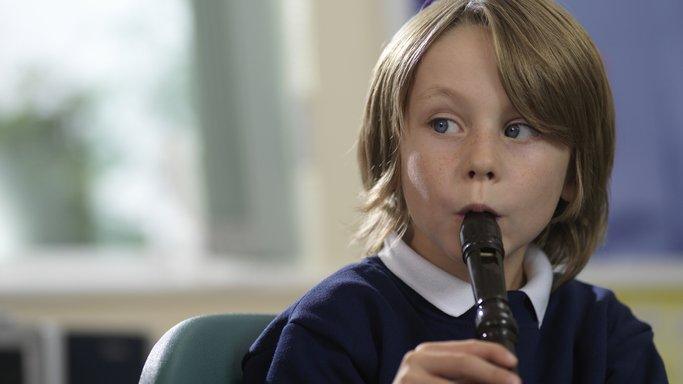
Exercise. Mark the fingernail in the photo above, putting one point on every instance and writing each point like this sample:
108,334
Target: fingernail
515,380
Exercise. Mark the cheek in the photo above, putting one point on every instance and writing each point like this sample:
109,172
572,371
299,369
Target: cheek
426,185
415,175
419,179
543,182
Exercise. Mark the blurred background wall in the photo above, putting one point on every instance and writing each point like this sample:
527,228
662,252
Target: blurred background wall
165,159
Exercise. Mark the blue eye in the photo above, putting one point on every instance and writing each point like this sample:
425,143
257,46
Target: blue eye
442,125
514,130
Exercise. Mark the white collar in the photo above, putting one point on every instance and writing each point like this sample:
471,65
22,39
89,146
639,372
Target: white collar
452,295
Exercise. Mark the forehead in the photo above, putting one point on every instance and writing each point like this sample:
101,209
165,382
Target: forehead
460,65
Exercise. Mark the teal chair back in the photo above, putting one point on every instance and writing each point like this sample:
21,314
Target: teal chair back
203,350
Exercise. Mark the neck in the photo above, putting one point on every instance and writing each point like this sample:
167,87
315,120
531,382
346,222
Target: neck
515,278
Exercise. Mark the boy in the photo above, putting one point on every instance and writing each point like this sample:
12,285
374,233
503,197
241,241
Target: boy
499,106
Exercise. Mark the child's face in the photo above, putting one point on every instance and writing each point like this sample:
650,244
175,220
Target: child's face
466,144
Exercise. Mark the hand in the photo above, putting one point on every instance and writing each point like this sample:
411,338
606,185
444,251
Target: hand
466,361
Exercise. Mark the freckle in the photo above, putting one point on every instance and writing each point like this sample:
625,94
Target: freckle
415,176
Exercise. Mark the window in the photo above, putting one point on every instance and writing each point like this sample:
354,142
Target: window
153,126
98,140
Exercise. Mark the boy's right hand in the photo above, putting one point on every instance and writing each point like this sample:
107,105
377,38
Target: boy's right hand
466,361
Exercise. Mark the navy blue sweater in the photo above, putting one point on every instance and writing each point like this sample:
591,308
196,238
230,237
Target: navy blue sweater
356,325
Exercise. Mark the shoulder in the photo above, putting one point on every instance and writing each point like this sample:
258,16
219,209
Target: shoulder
348,295
577,292
580,296
598,307
342,312
607,325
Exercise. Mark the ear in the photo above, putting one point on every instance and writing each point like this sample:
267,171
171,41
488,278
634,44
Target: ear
569,190
568,193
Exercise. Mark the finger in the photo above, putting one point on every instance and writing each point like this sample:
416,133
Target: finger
489,351
415,374
464,367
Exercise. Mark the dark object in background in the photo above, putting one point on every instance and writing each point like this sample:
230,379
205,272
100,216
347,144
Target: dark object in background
105,358
25,356
11,368
48,354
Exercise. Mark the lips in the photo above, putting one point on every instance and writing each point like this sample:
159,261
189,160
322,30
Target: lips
478,208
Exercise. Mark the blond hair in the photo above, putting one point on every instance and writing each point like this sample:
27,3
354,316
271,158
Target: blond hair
554,77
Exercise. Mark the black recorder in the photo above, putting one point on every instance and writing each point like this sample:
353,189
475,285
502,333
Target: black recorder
482,251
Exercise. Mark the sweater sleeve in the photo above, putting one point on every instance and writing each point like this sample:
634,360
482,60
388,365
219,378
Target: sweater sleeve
303,356
329,336
631,352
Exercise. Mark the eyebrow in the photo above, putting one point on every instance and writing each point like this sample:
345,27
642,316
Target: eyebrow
441,91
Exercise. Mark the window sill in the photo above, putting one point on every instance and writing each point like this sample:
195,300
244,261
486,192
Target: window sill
140,274
131,274
655,273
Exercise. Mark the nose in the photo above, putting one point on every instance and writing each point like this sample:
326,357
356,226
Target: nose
482,161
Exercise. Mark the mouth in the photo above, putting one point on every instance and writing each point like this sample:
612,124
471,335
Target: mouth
478,208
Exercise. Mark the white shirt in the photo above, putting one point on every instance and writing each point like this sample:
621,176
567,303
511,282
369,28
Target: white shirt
454,296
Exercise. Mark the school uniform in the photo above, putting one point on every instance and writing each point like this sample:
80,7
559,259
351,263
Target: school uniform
357,324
